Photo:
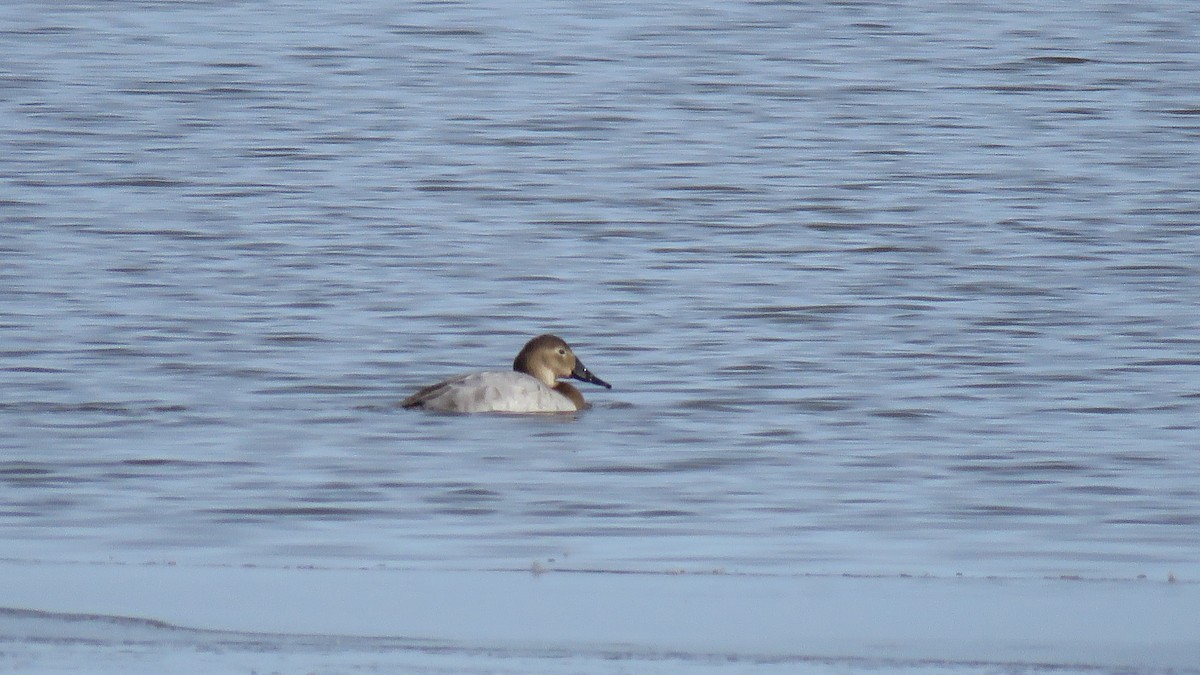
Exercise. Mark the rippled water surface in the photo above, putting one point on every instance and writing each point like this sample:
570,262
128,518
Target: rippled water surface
881,287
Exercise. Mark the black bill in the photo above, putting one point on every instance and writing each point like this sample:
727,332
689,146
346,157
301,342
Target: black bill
584,375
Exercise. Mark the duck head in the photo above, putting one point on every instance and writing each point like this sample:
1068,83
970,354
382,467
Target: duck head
549,357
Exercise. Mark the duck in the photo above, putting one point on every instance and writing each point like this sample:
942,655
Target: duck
532,386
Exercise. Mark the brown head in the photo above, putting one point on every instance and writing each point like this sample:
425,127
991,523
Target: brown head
549,357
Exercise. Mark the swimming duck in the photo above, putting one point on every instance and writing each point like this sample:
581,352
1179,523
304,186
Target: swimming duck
531,387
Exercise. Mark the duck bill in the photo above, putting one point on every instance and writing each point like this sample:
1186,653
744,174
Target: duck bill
584,375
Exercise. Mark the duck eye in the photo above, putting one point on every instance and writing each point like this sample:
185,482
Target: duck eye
562,352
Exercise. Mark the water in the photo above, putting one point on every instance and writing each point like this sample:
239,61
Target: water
881,287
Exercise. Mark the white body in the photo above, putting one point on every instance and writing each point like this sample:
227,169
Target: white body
493,391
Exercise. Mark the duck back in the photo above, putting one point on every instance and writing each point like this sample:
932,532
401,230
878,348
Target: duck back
491,391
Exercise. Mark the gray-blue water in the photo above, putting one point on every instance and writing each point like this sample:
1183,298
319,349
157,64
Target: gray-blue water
881,287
